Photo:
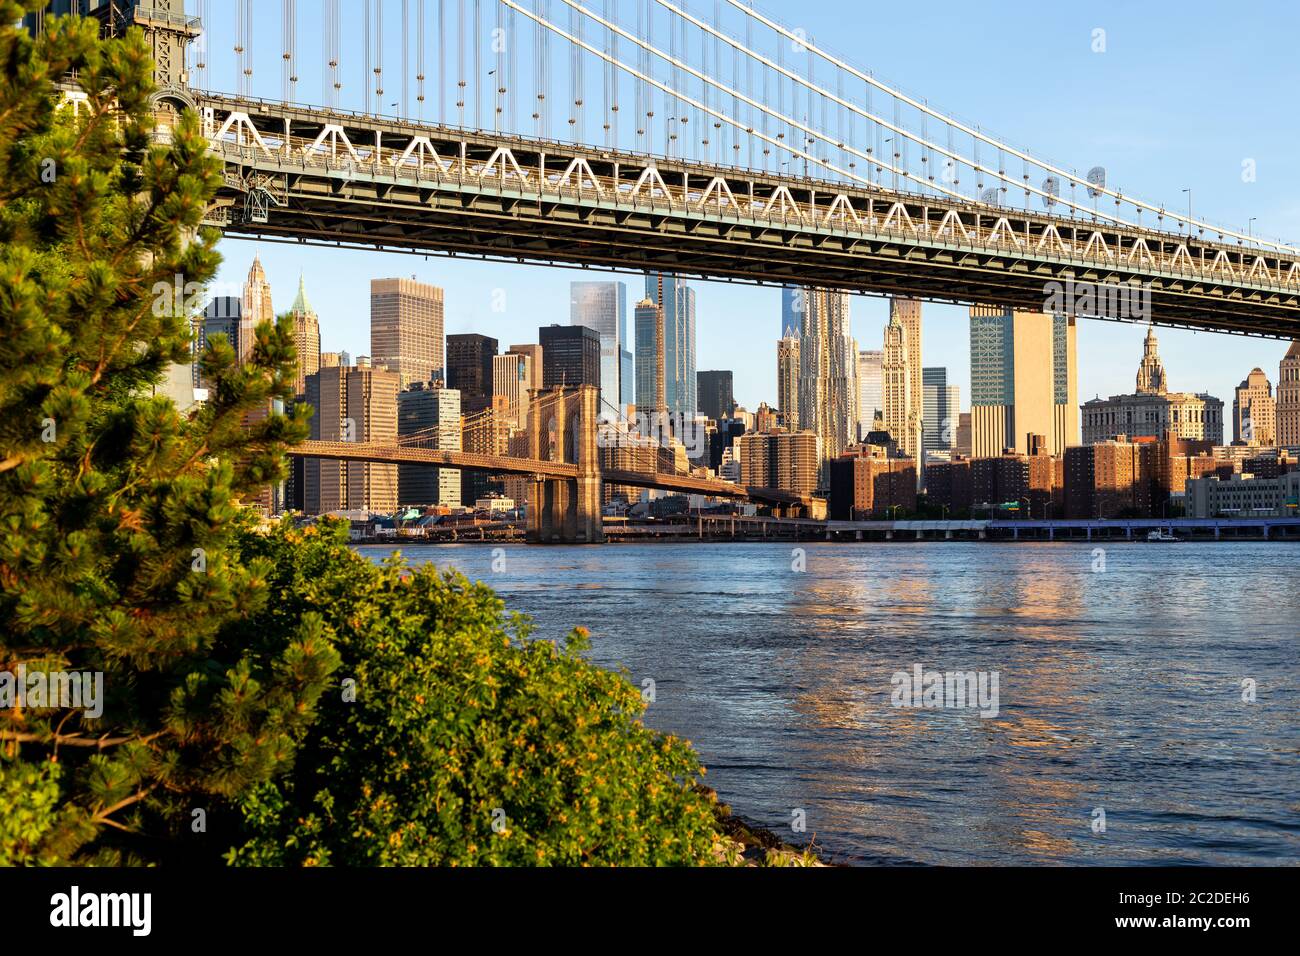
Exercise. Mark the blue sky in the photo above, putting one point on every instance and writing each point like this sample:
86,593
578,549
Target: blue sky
1182,95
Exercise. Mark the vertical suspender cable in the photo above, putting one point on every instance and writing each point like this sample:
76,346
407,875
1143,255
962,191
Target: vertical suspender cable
767,98
705,68
419,61
460,61
575,78
780,94
379,56
248,46
499,47
539,97
441,113
644,104
367,69
607,100
406,59
672,105
239,46
330,36
749,86
735,84
512,78
201,48
284,52
478,64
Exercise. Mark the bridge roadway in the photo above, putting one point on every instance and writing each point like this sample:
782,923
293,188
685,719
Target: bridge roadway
496,464
309,174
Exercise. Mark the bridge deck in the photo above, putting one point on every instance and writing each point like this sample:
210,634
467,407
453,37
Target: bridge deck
496,464
303,174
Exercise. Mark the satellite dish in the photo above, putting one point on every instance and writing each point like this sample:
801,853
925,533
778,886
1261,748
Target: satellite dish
989,196
1052,187
1096,176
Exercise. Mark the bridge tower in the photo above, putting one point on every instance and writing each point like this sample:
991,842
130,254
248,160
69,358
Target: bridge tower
562,427
167,28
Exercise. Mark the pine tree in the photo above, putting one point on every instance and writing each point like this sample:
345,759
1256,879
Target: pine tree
117,511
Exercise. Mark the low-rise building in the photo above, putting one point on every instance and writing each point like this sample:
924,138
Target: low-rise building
1244,496
865,483
778,460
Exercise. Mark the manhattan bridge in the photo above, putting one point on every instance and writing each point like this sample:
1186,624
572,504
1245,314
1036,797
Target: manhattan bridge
696,137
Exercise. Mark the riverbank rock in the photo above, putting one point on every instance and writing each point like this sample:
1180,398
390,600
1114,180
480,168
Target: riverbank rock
744,844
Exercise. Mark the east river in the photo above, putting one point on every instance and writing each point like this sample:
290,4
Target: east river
1147,701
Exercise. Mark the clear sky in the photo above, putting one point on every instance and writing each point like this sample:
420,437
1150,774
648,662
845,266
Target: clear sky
1183,95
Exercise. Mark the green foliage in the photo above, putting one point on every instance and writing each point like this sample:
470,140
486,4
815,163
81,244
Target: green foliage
29,798
117,511
457,715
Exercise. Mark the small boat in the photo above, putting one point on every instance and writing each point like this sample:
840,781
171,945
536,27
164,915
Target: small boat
1163,536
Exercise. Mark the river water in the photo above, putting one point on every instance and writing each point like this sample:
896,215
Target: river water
1125,732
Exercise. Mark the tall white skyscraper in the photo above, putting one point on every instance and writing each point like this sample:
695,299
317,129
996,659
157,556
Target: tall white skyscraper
603,306
677,300
942,410
871,396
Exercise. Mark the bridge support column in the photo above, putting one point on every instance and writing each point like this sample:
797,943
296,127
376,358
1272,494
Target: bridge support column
563,428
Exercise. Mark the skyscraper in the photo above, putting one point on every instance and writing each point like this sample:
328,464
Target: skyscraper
651,389
534,354
306,338
787,381
909,313
792,305
716,395
677,300
603,306
871,394
571,355
220,317
827,374
902,421
406,329
372,406
940,417
511,380
1288,398
1024,381
352,404
255,308
436,412
469,369
1254,414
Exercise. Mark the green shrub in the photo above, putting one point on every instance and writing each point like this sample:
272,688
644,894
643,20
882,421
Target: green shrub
460,718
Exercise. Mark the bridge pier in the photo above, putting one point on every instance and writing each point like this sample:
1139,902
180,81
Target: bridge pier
563,428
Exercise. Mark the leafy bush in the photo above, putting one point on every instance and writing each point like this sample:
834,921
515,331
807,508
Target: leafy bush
459,721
